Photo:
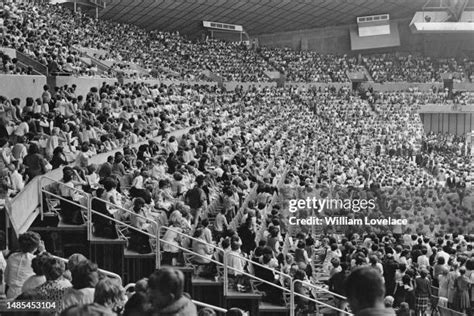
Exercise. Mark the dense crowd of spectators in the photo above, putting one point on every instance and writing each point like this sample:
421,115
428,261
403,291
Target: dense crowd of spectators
51,34
310,66
45,33
219,187
54,36
59,127
396,67
316,144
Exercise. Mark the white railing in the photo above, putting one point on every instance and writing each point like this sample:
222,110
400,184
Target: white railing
317,302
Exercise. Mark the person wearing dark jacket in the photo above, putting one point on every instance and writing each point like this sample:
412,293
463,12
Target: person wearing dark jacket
165,288
247,234
390,266
103,227
366,292
271,294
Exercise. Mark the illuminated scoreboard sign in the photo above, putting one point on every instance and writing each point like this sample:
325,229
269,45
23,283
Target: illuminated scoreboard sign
223,26
374,25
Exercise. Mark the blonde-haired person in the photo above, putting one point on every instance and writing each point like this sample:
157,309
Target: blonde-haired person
109,298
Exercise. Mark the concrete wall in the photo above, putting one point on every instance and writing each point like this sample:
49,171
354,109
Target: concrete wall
169,82
230,85
19,86
8,51
83,83
337,85
401,86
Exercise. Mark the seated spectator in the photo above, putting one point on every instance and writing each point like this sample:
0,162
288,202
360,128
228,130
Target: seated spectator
53,288
108,299
139,241
85,277
137,305
165,287
103,227
70,211
19,264
38,278
72,263
34,162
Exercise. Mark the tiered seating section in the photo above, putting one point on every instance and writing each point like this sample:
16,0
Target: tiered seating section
212,199
56,37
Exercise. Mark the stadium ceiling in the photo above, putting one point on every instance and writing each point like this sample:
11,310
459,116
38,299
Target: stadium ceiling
256,16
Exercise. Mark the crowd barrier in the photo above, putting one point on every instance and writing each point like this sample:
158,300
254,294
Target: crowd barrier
83,84
22,209
231,85
317,85
169,82
10,52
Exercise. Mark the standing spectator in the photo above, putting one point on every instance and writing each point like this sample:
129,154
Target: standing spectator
366,292
452,276
422,292
461,294
196,199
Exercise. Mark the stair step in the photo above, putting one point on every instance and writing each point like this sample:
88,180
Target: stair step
101,240
265,307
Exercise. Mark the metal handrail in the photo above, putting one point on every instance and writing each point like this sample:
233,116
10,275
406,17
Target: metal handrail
227,267
155,236
193,238
186,249
53,181
217,309
292,303
60,183
320,289
122,209
64,199
198,303
157,252
105,272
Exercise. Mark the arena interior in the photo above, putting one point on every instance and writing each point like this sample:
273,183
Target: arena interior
239,157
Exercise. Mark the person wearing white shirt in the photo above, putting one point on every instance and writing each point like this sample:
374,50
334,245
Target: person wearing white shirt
235,260
423,260
19,268
16,179
444,254
22,129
